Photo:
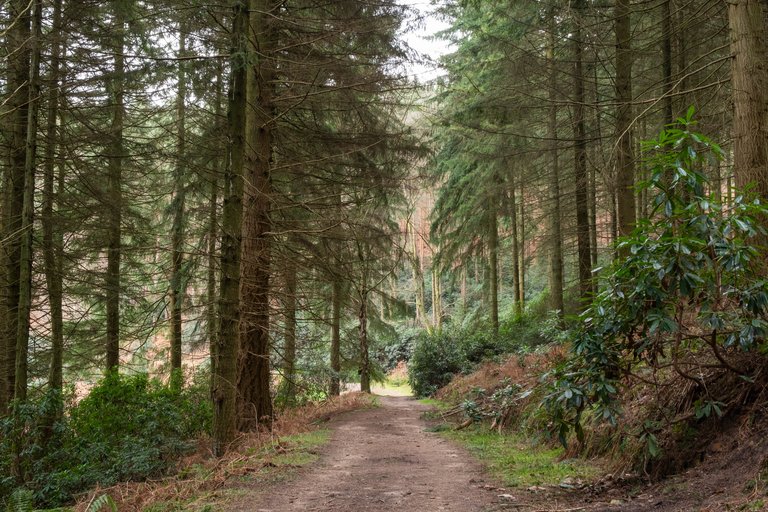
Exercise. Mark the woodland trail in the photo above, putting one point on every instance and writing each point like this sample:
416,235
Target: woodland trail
382,459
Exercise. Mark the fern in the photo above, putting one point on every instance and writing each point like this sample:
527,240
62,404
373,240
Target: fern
21,501
98,504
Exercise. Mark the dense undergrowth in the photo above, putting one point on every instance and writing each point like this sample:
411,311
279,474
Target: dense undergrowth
127,428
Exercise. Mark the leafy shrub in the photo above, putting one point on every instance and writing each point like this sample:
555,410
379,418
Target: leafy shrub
687,295
397,351
480,345
127,428
435,360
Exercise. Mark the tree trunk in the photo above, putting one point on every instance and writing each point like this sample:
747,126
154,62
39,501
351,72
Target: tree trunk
16,115
115,194
749,81
666,53
178,281
555,270
580,161
363,254
598,150
255,402
289,350
593,221
53,240
682,21
225,376
28,209
520,289
418,278
437,300
365,365
493,281
625,195
515,244
335,336
213,235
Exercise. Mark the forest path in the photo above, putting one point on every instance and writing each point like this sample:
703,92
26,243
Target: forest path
382,459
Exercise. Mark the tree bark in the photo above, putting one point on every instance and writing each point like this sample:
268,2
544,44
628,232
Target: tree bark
289,350
365,364
580,161
53,240
363,291
225,377
555,270
749,79
253,383
437,300
682,21
28,208
16,115
213,234
593,221
493,278
515,244
520,289
335,336
625,196
178,281
418,278
598,150
115,194
666,57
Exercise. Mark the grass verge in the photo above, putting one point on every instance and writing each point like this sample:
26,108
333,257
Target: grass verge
440,405
518,462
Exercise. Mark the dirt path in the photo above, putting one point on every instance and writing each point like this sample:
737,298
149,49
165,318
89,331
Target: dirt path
382,459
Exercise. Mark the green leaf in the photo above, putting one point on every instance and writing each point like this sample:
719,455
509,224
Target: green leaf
105,500
652,445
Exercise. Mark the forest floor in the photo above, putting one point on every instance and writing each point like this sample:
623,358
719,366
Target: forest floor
387,459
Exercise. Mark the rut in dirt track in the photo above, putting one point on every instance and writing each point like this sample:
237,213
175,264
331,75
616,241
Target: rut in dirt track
382,459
